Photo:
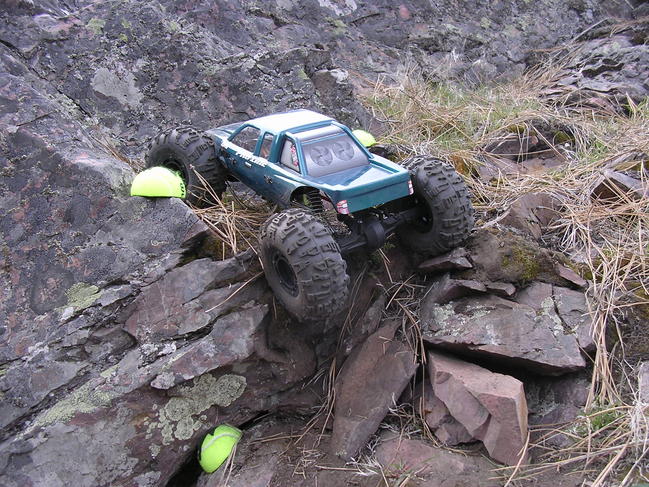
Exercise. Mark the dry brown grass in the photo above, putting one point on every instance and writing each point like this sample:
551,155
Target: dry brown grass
608,239
234,219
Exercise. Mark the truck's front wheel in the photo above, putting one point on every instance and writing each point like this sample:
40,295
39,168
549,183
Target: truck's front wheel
303,265
191,153
446,211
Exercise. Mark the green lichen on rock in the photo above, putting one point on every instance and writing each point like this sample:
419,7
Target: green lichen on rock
228,389
175,418
82,295
85,399
96,25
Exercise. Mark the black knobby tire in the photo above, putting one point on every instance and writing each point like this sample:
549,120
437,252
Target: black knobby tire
303,265
189,151
448,213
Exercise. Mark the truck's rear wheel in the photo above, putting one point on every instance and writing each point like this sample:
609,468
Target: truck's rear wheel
447,213
303,265
189,152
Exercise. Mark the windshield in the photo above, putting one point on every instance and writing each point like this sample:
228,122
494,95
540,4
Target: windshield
331,152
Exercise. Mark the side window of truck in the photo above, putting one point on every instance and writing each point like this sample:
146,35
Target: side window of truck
247,138
289,156
266,144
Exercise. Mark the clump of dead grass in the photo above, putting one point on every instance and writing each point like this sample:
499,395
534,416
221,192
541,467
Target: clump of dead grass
234,219
608,239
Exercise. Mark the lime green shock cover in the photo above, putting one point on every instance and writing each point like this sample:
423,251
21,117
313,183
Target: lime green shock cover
158,182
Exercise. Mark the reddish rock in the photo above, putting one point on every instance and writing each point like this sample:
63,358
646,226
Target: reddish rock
492,407
232,339
617,186
436,466
560,303
569,275
555,401
502,289
184,301
438,418
531,213
534,338
371,379
444,289
457,259
512,146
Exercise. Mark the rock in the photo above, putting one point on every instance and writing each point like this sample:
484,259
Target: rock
531,213
643,383
453,260
438,418
444,289
570,306
370,381
573,310
569,275
513,146
492,407
232,339
502,289
184,301
366,325
537,295
510,332
553,402
612,65
503,256
617,186
438,467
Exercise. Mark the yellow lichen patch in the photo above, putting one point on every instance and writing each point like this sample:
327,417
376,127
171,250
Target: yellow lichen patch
82,295
181,416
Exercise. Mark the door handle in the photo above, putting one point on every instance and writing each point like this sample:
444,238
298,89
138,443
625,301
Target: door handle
248,164
268,179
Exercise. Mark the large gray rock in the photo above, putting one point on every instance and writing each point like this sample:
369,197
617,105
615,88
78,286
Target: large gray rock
612,64
138,66
492,407
510,332
371,379
85,398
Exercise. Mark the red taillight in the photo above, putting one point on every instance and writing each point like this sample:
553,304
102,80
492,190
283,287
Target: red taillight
411,190
342,208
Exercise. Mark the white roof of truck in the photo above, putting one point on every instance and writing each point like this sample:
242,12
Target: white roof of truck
278,122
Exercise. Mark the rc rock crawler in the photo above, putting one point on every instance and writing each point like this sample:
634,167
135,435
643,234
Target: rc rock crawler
310,165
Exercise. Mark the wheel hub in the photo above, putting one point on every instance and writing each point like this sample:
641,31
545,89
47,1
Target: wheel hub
285,273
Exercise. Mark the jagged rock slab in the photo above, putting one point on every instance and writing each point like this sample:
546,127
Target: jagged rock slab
438,418
502,289
492,407
399,455
457,259
503,256
444,289
569,305
531,213
184,300
570,276
232,339
573,310
370,381
501,329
